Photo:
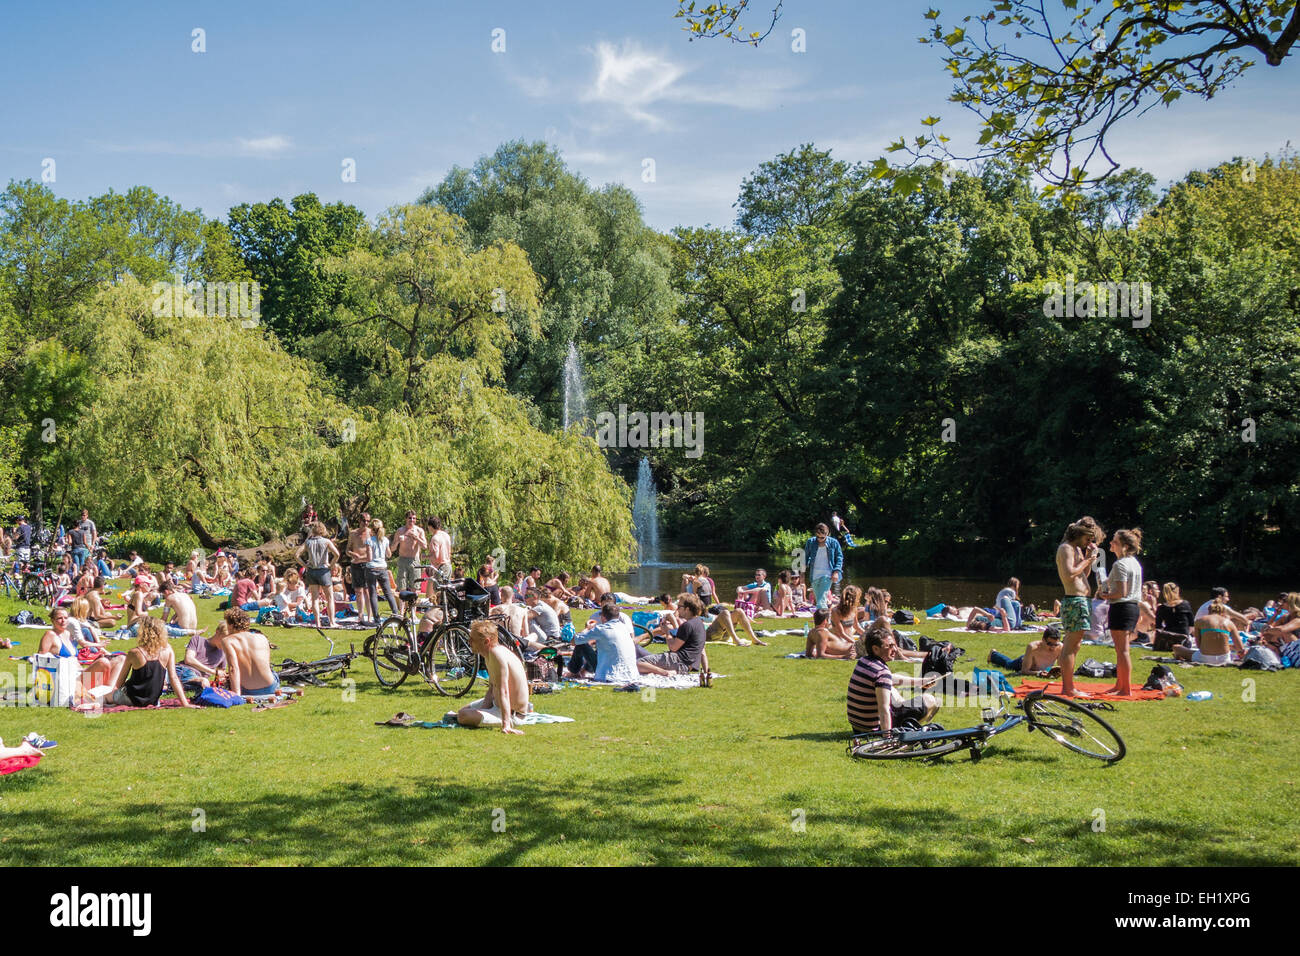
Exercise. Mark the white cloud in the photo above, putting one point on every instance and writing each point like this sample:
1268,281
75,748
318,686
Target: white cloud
636,80
633,79
265,146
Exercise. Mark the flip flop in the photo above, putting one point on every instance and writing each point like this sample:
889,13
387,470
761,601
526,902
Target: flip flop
399,719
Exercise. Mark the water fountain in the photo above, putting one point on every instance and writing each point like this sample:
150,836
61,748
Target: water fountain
575,398
645,515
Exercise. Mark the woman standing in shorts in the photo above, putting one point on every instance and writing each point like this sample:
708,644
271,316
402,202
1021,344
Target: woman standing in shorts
1123,593
320,552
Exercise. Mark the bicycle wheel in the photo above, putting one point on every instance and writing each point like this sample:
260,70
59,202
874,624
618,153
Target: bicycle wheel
394,654
891,748
1074,726
449,664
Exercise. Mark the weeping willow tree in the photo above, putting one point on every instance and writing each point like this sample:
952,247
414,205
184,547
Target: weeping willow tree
199,423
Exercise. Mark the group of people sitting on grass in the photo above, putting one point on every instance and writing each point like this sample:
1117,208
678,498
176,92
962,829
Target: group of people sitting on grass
236,656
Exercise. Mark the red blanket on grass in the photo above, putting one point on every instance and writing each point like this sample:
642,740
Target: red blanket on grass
20,762
1092,690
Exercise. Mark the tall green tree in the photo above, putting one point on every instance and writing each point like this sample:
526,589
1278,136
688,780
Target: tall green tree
601,270
284,247
420,289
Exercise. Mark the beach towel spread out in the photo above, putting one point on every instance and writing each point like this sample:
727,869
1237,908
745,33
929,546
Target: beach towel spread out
527,721
966,630
92,707
657,681
1174,660
1092,690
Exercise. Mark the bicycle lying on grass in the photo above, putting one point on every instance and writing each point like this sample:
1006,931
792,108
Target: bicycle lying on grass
315,672
1070,723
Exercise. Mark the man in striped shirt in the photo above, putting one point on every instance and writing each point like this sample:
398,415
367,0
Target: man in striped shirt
872,684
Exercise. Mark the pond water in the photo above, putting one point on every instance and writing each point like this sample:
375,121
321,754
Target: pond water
731,569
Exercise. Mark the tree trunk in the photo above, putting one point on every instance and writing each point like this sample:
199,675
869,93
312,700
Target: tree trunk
38,504
200,532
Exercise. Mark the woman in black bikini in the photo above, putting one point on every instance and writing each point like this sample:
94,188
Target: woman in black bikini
140,682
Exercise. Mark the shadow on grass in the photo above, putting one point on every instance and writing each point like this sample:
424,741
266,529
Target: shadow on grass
639,819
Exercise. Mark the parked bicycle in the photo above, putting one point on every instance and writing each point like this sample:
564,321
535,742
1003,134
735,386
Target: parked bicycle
442,655
1070,723
36,586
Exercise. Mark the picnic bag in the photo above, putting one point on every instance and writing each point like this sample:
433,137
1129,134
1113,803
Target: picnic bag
54,680
904,617
539,668
217,697
1095,668
1162,678
1167,640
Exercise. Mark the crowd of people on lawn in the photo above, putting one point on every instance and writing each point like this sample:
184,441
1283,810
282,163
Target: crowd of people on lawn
534,614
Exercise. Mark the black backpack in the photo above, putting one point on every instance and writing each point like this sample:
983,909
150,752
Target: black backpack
904,617
937,661
1093,668
1160,677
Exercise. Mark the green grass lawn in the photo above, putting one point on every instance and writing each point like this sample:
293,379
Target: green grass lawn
750,771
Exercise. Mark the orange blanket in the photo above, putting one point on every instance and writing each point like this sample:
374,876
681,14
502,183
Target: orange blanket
1092,690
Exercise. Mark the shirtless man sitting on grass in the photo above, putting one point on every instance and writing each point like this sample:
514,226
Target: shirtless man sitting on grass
248,655
1040,657
824,643
180,611
506,699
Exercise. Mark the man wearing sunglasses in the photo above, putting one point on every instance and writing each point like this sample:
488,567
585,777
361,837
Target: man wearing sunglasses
825,562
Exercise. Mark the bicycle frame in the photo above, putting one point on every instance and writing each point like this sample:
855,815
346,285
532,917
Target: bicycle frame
996,723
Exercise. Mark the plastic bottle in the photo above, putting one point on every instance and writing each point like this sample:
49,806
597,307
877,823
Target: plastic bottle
805,631
1199,695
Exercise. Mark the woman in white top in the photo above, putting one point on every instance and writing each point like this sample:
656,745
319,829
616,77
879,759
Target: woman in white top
1123,594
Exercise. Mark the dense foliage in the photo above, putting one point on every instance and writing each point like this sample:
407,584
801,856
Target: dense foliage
898,356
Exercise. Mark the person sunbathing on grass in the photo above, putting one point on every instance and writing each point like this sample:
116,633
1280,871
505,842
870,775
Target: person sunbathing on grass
60,642
759,590
844,616
559,586
506,699
824,643
203,660
1040,657
98,612
180,611
248,655
24,749
721,620
783,598
84,630
1213,632
597,585
139,682
984,619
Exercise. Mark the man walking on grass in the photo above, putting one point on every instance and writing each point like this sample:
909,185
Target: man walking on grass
825,561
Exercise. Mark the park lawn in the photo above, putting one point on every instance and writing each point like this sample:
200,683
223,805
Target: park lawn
750,771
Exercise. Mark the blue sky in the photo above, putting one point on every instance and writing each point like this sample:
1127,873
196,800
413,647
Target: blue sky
286,91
